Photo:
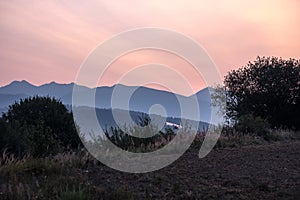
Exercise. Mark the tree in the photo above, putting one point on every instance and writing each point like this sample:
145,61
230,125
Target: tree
268,88
2,132
39,125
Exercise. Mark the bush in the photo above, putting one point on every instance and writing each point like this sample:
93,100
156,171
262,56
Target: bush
126,138
250,124
39,126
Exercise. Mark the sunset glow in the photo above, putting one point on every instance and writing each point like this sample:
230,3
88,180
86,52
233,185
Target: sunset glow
44,41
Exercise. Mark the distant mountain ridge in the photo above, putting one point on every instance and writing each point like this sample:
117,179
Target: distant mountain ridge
24,87
141,100
106,120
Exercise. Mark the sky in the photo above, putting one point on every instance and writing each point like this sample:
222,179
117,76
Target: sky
44,41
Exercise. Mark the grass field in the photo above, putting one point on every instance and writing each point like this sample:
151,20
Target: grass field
239,167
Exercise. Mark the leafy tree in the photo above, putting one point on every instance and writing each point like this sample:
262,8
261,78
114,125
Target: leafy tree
39,125
268,88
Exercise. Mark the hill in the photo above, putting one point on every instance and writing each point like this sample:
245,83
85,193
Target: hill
142,98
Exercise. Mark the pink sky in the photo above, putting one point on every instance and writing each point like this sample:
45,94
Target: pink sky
44,41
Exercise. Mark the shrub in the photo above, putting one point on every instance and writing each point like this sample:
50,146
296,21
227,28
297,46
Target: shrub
250,124
132,138
39,126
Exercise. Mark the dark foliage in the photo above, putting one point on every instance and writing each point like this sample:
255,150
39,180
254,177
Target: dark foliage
248,124
126,141
39,126
268,88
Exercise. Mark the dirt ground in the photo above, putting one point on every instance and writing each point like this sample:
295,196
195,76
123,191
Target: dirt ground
270,171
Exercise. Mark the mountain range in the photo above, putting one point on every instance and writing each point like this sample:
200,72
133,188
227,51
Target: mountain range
141,99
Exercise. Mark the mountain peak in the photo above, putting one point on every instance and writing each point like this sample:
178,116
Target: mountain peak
20,82
53,83
18,87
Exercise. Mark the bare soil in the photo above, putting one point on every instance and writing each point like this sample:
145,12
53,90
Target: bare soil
270,171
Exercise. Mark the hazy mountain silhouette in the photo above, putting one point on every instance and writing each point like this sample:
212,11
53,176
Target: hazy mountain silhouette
18,87
107,121
23,87
141,99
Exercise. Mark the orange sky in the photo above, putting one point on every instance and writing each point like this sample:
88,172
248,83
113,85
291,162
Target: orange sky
44,41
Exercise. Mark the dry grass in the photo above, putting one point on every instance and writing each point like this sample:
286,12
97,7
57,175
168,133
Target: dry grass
55,177
65,175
